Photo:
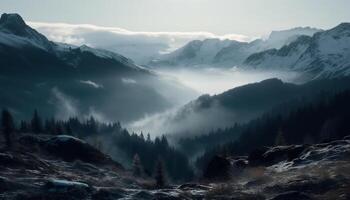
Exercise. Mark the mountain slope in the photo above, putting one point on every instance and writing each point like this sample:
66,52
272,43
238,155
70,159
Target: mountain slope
242,104
325,54
62,80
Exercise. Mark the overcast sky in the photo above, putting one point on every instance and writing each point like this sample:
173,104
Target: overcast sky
247,17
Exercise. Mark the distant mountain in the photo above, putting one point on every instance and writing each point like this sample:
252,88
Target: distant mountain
227,53
194,53
245,103
325,54
62,80
277,39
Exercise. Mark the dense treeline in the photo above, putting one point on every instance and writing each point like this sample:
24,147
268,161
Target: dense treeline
130,144
318,121
214,138
194,146
176,163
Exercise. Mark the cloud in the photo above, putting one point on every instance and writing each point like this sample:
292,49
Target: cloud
140,46
91,83
128,81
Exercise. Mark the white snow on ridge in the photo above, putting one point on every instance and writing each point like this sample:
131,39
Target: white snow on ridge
326,54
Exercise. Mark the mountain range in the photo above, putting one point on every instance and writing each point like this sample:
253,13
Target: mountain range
325,54
312,52
227,53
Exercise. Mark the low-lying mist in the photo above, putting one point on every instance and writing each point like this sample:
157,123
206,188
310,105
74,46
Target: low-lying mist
184,119
209,80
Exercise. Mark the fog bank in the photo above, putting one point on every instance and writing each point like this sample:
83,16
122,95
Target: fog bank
185,119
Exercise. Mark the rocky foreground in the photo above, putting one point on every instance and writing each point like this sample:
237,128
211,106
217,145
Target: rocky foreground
64,167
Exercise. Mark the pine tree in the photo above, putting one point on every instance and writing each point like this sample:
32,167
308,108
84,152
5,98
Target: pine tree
160,174
164,142
137,166
142,136
36,123
92,125
8,127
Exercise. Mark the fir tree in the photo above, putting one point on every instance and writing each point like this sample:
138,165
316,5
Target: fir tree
160,174
8,127
137,166
149,138
36,123
164,142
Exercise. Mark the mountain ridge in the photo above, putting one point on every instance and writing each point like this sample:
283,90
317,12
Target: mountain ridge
227,53
325,54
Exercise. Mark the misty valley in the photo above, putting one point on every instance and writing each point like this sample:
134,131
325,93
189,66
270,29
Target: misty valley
180,119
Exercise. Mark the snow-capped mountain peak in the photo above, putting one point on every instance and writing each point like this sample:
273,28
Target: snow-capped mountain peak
277,39
228,53
15,32
325,54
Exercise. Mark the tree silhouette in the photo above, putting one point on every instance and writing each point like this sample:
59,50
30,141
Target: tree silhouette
8,127
148,138
160,174
137,166
36,123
